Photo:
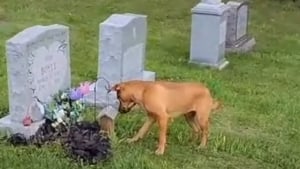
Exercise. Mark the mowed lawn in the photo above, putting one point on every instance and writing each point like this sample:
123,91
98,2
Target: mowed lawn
258,128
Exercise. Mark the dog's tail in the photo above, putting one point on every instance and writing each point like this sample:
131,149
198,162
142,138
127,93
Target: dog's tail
217,105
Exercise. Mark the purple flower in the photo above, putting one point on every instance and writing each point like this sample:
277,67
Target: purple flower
76,94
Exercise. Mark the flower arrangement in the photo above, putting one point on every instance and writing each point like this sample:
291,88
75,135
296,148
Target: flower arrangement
67,106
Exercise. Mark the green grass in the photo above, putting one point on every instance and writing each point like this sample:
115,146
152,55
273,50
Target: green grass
259,126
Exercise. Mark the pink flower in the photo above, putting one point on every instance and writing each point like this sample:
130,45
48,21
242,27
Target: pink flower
84,88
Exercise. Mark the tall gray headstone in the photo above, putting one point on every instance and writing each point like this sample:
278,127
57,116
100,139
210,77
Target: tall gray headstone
122,45
38,65
208,34
237,38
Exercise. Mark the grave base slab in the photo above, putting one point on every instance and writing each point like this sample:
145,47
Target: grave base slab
12,127
220,66
148,76
97,102
242,46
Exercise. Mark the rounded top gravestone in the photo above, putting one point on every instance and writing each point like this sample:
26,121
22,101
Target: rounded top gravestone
38,66
237,37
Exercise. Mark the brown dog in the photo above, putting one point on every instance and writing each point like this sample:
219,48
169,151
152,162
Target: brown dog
164,100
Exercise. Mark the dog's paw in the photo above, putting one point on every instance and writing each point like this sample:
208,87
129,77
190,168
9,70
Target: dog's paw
201,147
132,140
159,151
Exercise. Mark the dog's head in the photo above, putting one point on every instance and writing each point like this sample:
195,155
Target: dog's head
125,97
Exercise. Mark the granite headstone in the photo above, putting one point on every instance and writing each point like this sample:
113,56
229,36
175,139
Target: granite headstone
208,34
38,65
122,53
237,37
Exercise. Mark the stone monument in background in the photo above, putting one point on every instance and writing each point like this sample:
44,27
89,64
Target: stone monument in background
208,34
237,37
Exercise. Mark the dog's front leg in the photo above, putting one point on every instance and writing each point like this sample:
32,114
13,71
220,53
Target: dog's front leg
143,130
163,126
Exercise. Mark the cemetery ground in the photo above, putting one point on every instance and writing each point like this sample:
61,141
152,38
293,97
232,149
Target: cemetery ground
257,128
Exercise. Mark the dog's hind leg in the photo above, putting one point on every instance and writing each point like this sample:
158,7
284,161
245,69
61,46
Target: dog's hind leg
190,119
204,125
202,119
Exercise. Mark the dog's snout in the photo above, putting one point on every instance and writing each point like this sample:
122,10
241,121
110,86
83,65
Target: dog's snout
122,109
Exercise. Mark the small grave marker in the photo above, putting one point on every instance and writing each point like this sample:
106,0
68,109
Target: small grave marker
237,38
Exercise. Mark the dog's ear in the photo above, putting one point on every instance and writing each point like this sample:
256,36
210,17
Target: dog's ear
116,88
